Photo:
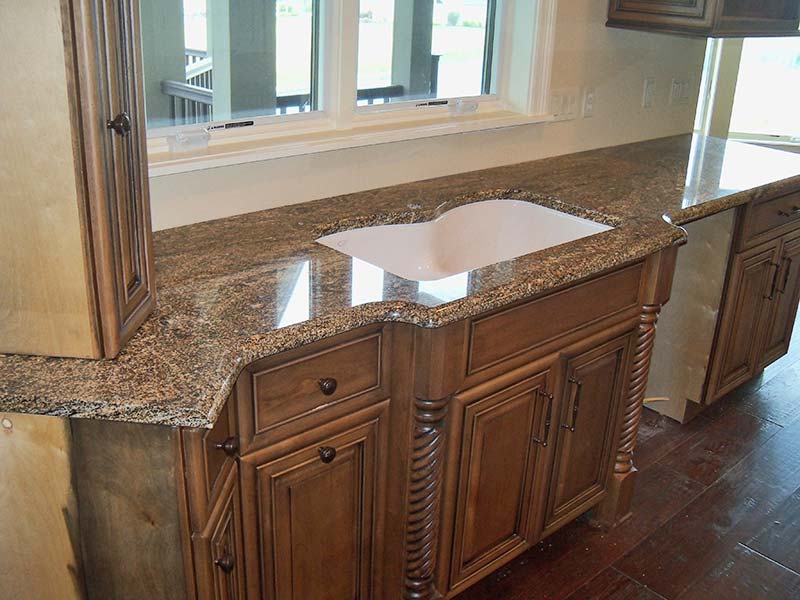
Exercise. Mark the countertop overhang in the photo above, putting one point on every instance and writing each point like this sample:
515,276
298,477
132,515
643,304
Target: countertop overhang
238,289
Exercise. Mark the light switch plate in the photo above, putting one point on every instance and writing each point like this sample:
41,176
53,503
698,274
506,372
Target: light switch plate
588,103
649,92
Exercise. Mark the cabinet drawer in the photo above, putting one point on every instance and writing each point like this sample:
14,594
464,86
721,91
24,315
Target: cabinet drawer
281,391
770,218
509,332
209,456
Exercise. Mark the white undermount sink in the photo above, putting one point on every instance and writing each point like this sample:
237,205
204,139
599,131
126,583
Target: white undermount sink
462,239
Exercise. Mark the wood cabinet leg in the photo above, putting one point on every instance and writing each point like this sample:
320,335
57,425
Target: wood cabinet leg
617,505
422,530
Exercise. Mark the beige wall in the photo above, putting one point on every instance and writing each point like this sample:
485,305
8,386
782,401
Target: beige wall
587,54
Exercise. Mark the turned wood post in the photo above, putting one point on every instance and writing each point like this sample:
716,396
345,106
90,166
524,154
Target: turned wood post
422,530
439,368
617,505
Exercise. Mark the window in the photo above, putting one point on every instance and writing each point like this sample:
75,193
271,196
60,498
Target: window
411,50
220,72
214,61
767,90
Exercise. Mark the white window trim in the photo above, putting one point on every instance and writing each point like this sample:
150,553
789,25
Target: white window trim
522,98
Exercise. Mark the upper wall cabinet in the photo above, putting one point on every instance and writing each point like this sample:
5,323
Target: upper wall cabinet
708,18
75,240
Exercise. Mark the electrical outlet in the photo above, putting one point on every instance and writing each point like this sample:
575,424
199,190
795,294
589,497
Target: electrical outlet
588,102
649,92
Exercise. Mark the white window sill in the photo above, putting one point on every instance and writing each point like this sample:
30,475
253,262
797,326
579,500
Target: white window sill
224,150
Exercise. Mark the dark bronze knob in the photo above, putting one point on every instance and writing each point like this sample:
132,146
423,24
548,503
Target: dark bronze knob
121,124
328,385
327,454
225,563
230,446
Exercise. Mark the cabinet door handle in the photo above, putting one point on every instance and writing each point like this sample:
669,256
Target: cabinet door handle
230,446
328,385
790,213
326,454
547,420
575,405
787,271
225,563
121,124
774,283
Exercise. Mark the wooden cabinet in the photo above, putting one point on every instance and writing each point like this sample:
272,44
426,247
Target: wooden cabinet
780,325
750,289
761,297
75,237
313,508
586,427
500,465
397,462
713,18
219,548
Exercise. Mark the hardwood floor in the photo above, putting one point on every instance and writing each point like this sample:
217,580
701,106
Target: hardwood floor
716,514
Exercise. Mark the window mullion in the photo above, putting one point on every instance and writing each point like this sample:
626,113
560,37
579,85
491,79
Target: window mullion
340,61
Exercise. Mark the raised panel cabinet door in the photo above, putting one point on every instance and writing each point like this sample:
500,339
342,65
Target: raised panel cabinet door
502,435
592,394
784,305
219,548
114,152
751,290
315,512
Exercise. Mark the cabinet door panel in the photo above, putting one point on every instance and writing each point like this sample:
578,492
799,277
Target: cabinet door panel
219,548
318,513
497,470
737,350
584,451
784,308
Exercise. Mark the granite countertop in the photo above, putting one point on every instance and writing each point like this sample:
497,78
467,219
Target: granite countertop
234,290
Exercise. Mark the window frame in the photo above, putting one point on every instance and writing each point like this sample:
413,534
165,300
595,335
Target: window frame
521,62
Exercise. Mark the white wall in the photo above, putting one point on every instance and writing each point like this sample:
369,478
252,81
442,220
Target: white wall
587,54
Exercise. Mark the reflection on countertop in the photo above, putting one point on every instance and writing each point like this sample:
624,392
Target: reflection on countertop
237,289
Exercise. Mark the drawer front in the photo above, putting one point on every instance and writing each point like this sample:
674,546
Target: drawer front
771,218
317,378
209,456
509,332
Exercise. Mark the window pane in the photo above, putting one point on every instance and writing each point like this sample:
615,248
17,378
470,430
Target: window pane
768,88
421,49
219,60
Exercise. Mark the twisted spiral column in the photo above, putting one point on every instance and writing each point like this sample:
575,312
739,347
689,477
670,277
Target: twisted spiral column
636,389
422,529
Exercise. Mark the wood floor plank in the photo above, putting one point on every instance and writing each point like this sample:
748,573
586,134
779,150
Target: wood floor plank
777,401
720,445
613,585
559,565
746,575
732,510
660,435
780,539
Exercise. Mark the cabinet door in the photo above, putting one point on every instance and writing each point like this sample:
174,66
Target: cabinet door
784,305
500,461
314,512
219,549
738,351
109,76
662,14
588,417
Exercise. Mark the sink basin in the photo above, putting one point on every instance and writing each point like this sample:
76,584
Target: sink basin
462,239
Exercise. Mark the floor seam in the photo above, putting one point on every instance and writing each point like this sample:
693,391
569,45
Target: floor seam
769,558
637,582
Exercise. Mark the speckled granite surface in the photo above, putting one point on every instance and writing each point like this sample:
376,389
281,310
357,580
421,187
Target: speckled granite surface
237,289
